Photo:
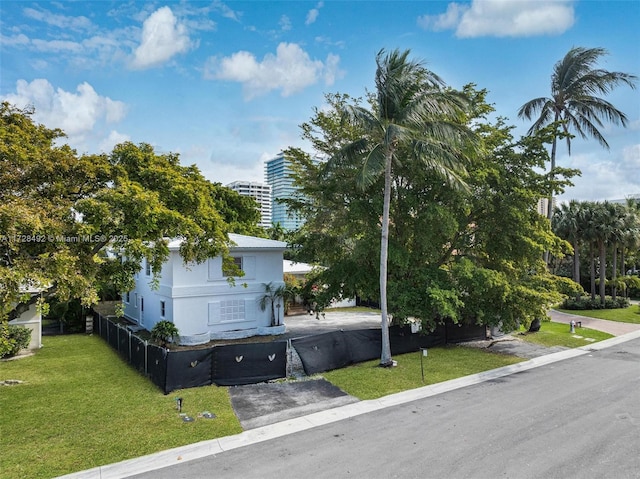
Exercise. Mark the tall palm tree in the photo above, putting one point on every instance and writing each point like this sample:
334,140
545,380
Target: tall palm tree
576,83
631,238
568,223
605,229
589,236
412,119
618,221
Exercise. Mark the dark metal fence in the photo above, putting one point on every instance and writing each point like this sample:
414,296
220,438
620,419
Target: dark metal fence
249,363
222,365
338,349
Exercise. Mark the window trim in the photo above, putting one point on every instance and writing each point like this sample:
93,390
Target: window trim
239,262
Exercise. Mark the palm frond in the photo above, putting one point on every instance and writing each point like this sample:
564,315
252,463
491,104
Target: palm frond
532,107
575,84
372,167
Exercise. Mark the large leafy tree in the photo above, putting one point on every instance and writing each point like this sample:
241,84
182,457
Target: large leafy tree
577,87
62,215
463,254
412,118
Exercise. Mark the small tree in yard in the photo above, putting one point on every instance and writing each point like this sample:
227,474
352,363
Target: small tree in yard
272,295
164,332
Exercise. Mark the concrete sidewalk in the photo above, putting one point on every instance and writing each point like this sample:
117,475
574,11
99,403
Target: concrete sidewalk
612,327
264,426
182,454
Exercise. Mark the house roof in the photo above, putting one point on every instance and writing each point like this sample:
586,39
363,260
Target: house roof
292,267
253,242
240,242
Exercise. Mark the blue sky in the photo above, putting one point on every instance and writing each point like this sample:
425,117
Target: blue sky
226,84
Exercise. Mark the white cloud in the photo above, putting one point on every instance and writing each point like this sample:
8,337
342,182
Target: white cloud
58,46
114,138
60,21
500,18
312,15
226,11
605,176
332,69
285,23
290,70
163,36
78,114
20,39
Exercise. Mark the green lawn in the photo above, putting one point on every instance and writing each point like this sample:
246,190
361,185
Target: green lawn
623,315
559,334
81,406
369,381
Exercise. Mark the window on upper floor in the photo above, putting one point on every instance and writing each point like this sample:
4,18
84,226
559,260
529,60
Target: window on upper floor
237,261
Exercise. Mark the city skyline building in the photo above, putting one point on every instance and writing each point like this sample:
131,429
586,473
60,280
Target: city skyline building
543,205
261,193
278,177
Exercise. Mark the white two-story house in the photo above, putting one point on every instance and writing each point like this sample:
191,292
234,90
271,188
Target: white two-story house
200,300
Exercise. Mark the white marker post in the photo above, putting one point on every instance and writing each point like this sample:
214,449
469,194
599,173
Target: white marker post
423,355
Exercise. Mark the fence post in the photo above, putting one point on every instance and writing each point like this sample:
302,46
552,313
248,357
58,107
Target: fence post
145,358
289,370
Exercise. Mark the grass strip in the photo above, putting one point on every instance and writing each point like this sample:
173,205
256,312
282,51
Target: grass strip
559,334
630,314
82,406
369,381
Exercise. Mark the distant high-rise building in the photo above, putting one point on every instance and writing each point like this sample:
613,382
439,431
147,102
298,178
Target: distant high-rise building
261,193
543,205
278,176
624,201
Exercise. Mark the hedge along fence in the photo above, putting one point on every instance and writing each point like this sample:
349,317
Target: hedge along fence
227,365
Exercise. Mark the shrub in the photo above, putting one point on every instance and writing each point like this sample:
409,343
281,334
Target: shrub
163,332
632,285
567,286
586,302
13,339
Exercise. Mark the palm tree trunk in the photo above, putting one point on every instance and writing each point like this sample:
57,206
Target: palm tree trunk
623,270
385,356
603,269
553,167
614,271
550,204
576,261
592,258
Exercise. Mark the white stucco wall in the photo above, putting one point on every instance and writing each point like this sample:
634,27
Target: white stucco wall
32,320
201,301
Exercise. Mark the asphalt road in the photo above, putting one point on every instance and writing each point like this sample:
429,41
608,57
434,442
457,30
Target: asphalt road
576,418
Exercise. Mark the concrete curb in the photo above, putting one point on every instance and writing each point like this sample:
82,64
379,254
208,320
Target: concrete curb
198,450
